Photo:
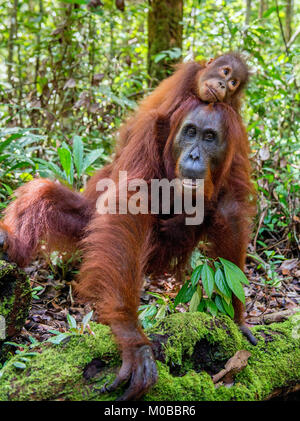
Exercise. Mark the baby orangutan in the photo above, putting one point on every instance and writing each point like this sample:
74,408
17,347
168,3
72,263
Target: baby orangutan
221,79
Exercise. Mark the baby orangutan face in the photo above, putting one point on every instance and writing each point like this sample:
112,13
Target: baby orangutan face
222,79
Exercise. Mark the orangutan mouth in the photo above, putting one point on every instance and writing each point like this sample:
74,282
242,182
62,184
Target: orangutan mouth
213,92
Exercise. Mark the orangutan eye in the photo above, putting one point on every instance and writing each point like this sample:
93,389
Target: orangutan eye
191,131
225,71
209,136
233,82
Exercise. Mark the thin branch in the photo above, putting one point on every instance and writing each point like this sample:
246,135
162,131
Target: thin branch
281,28
293,38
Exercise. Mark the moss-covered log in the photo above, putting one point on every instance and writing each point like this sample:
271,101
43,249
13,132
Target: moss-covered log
15,298
190,348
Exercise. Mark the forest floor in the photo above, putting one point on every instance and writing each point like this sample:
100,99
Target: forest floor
53,298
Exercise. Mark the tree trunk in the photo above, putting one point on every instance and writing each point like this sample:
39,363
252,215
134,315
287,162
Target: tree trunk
288,20
190,347
248,12
164,33
263,5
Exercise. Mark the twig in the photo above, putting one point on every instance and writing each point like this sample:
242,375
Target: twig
293,38
281,28
262,217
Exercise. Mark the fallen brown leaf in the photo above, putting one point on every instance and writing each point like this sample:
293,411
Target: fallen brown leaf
233,366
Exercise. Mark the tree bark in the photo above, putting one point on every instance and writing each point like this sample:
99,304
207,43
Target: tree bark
190,349
288,20
248,12
164,33
263,5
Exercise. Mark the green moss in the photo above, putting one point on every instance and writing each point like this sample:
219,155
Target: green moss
57,372
15,297
58,367
194,327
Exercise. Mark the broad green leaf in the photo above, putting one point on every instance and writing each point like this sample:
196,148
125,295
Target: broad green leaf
228,308
158,57
221,283
7,188
72,322
195,301
235,270
196,275
65,160
185,294
52,167
91,158
78,154
232,281
202,305
207,278
271,10
8,141
219,304
211,306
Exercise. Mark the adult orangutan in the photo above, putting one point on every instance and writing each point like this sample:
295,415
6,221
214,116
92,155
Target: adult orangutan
204,142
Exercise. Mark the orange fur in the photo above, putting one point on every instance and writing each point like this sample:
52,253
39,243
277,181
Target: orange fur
118,250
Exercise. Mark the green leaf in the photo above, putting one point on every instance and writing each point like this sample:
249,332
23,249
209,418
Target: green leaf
30,354
232,281
221,283
196,275
202,305
8,141
207,277
211,306
185,294
59,338
91,158
76,1
161,312
55,332
66,162
72,322
87,318
78,154
20,365
268,12
228,308
219,304
158,57
195,301
235,270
